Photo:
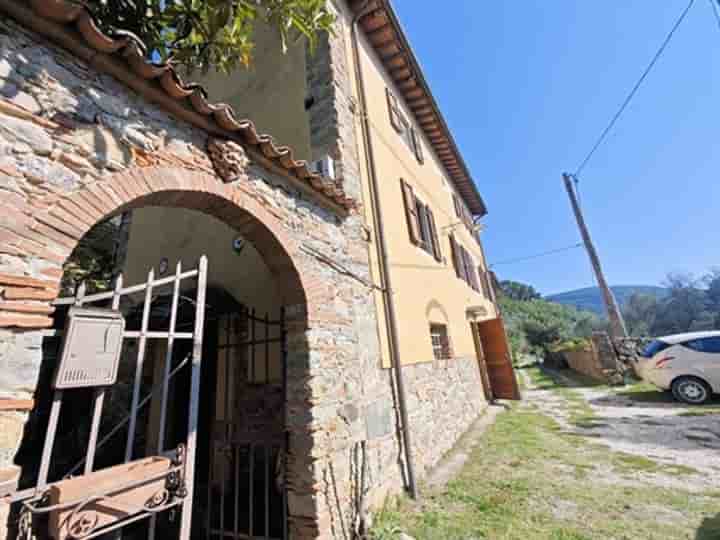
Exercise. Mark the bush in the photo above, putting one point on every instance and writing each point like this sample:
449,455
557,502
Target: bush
540,327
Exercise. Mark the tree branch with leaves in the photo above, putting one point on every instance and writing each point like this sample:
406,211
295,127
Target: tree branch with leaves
218,34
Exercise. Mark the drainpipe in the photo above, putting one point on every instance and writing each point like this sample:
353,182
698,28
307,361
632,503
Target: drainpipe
385,276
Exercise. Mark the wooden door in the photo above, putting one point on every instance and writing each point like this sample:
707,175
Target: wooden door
484,378
498,360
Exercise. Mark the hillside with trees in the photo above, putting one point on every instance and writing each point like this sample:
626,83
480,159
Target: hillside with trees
590,298
691,304
536,326
684,303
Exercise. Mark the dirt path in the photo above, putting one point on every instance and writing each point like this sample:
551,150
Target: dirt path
684,441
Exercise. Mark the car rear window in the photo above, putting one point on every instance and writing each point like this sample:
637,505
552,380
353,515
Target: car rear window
704,345
653,348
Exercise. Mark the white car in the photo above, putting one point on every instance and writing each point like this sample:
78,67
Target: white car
687,364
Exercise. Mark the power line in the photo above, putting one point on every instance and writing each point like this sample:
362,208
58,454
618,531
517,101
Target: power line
538,255
632,93
716,10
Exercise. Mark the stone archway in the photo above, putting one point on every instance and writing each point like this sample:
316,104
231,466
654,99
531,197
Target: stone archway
46,231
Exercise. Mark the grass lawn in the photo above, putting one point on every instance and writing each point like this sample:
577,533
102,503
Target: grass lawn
530,480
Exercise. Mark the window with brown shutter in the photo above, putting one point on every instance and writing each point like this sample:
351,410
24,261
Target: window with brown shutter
474,280
493,284
437,252
396,118
467,217
457,258
406,132
417,146
425,233
411,213
484,282
456,203
470,275
462,212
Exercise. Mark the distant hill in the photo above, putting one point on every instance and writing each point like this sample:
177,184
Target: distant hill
589,299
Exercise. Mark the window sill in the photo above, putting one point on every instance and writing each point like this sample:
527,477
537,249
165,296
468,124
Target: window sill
429,254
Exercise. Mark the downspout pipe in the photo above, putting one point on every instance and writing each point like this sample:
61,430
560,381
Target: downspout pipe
385,275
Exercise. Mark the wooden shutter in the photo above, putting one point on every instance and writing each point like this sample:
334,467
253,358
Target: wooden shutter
456,203
446,345
484,282
417,146
470,270
464,261
493,284
467,217
437,252
425,235
393,109
457,258
411,215
474,278
474,281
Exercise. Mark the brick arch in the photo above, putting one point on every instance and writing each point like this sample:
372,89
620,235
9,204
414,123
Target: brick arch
50,228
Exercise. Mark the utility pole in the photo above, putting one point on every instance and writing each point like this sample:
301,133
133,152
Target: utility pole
617,324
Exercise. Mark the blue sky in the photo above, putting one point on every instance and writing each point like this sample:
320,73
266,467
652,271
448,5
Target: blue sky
527,86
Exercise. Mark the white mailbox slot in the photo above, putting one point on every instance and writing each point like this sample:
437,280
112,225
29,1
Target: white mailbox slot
91,349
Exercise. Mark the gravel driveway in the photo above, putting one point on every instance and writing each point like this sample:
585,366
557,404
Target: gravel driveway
645,423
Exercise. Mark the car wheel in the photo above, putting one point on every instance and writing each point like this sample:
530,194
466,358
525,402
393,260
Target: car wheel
691,390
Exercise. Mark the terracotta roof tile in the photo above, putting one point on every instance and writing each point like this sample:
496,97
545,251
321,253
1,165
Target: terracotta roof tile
129,48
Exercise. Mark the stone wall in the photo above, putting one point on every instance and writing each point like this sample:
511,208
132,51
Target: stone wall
599,360
444,398
333,107
77,146
585,362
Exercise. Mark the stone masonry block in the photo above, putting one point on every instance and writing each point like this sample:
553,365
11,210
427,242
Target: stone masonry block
11,432
24,132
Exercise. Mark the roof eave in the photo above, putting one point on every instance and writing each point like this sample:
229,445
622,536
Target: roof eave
463,181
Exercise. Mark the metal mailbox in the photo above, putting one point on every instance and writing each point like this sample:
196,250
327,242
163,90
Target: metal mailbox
91,349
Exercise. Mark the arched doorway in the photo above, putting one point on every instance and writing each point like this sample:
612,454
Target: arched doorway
242,337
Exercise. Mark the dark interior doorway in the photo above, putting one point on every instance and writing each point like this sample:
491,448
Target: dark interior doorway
241,444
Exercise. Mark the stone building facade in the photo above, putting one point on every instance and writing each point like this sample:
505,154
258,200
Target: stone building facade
88,131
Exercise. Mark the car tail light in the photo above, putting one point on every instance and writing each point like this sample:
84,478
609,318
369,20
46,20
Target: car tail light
659,364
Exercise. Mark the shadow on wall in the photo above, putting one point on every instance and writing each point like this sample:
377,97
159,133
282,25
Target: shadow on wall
709,529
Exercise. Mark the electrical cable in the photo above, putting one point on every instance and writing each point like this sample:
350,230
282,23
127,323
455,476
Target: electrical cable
538,255
632,93
716,10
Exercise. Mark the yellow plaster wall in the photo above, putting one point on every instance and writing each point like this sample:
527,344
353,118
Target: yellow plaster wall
271,92
185,235
425,290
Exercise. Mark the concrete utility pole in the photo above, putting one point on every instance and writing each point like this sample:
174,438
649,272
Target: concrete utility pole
617,324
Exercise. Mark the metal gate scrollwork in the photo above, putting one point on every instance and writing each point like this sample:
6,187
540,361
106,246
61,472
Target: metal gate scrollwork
98,502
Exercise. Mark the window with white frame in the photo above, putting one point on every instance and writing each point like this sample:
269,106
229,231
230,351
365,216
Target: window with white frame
442,350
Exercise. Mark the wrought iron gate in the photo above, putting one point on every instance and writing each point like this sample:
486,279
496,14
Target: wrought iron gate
35,499
246,493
